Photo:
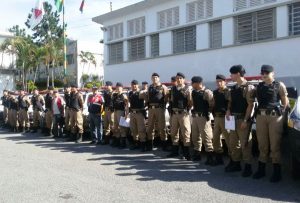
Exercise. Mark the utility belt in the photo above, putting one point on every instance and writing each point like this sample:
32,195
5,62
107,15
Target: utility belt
268,112
156,106
219,114
107,108
74,109
199,114
179,111
136,111
238,115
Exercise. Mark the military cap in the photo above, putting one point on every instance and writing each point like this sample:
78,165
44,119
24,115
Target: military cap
134,82
173,78
50,88
109,83
145,83
197,79
155,74
119,84
267,69
237,69
74,85
179,74
220,77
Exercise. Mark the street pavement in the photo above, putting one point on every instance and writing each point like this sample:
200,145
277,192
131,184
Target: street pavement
34,168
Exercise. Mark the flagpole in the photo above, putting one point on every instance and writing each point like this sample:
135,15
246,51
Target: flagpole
65,44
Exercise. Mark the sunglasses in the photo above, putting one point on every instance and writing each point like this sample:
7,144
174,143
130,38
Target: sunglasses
264,73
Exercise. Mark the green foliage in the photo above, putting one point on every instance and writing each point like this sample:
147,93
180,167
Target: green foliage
89,85
30,85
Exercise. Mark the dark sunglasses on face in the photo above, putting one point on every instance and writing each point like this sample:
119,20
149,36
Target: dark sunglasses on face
264,73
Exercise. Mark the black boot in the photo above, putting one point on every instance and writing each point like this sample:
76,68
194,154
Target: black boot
143,146
78,138
71,137
247,170
174,152
234,166
209,159
229,165
276,176
27,130
112,141
116,142
149,145
186,153
22,130
122,143
164,145
261,171
218,159
34,130
16,129
134,145
196,155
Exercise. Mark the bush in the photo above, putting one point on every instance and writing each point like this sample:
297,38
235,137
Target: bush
31,86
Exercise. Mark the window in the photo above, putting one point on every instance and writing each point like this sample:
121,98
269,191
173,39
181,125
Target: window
184,40
198,10
115,31
255,26
294,19
136,48
243,4
136,26
216,34
168,18
70,59
115,53
154,45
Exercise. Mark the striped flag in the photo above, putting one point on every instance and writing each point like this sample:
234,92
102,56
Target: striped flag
81,6
59,4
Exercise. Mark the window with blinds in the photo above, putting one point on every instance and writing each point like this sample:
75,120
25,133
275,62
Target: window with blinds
154,45
136,49
184,40
168,18
136,26
115,53
198,10
216,34
115,31
243,4
255,26
294,19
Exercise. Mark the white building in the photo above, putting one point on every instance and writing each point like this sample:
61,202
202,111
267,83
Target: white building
201,37
7,66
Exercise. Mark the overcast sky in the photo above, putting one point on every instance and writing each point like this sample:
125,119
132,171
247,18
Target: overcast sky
80,26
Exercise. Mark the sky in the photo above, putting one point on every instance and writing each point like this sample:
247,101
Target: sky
80,25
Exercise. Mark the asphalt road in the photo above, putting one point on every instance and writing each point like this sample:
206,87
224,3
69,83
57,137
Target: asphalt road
34,168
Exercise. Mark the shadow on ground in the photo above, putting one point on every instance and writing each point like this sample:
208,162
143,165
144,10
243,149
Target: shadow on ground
154,166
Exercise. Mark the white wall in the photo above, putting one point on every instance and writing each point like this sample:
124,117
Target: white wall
282,54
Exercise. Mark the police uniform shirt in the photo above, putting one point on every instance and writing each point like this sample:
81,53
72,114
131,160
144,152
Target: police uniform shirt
145,93
37,101
225,92
24,100
248,92
208,96
187,92
282,91
115,96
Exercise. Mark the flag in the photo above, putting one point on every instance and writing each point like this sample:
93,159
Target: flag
59,4
37,14
81,6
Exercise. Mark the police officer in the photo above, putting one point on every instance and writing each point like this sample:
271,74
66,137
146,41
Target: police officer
137,117
49,112
173,85
76,118
201,123
67,96
240,106
5,101
13,113
108,119
221,96
181,103
156,97
145,85
38,103
272,102
24,103
94,103
120,105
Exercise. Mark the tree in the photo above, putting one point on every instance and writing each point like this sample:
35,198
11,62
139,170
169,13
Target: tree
84,78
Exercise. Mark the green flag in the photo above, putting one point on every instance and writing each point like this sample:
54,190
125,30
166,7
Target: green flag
59,4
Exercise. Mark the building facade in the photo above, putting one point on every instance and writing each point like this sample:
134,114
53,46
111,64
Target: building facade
201,37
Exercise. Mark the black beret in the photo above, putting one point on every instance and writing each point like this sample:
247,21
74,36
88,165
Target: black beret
145,83
179,74
119,84
173,79
197,79
267,69
134,82
109,83
50,88
237,69
74,85
155,74
67,85
220,77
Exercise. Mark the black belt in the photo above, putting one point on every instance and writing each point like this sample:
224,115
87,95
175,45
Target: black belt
219,114
177,111
155,106
135,111
266,112
199,114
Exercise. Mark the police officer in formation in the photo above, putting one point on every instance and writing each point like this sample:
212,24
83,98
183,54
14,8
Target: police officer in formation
38,103
5,103
49,112
197,101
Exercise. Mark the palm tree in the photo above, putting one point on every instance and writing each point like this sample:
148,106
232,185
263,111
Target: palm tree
84,79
